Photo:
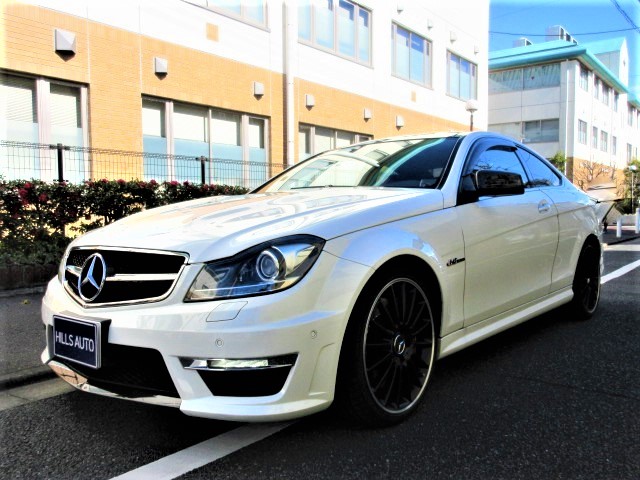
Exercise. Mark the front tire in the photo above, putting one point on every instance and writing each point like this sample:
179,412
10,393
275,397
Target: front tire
586,283
388,351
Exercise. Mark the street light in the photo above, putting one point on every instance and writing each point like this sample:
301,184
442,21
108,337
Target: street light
471,106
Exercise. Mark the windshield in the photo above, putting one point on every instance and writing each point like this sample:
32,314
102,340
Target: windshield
413,163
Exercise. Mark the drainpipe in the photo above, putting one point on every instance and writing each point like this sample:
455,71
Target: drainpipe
566,120
289,44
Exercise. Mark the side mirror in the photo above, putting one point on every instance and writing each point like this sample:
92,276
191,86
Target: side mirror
494,183
491,183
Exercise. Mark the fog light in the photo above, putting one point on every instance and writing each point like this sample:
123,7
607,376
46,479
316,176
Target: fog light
226,364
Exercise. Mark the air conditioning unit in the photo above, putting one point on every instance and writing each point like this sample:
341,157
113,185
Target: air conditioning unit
522,42
558,32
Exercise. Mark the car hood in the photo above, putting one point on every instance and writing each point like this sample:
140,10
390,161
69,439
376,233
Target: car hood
219,227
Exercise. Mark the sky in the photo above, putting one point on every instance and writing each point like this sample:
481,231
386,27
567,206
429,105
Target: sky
586,20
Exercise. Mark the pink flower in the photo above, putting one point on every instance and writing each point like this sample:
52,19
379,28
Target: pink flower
43,197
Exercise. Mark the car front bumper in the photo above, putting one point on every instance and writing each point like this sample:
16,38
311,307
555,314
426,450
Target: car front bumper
306,323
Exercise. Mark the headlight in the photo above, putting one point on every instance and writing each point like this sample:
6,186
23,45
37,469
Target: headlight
266,268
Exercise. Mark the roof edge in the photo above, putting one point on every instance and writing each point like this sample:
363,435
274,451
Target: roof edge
518,57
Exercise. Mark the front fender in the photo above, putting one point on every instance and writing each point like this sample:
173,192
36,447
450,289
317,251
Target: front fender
435,239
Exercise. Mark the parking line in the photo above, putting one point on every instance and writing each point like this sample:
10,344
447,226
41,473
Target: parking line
621,271
203,453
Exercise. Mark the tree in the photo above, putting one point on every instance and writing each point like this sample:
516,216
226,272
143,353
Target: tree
631,187
559,160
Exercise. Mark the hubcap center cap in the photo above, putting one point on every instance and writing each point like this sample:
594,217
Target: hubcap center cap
399,345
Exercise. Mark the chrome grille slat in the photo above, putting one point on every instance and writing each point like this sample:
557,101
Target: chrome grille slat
132,275
149,277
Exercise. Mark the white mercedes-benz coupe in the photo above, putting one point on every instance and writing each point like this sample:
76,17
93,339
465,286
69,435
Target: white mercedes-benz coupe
342,278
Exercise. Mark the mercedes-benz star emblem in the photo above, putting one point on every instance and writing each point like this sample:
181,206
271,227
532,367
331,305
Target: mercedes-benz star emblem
92,276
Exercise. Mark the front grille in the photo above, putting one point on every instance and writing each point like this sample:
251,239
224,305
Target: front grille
131,275
129,371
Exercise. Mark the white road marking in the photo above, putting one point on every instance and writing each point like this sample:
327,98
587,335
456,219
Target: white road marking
203,453
619,272
622,247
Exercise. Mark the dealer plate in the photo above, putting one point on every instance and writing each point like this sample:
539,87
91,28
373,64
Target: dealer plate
78,340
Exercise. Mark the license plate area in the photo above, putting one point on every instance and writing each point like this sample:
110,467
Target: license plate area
79,340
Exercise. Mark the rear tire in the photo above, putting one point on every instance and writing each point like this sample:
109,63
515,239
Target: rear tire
388,351
586,283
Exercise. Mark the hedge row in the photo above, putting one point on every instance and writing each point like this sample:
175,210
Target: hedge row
38,219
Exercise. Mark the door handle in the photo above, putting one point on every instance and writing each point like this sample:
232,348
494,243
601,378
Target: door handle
544,207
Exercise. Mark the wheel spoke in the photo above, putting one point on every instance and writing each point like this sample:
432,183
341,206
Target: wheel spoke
379,362
375,321
379,384
391,383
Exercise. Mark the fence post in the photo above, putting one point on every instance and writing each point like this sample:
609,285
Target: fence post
202,159
60,148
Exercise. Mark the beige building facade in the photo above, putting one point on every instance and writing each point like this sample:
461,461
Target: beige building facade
261,82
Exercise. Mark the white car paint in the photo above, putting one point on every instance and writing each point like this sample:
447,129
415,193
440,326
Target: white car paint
497,261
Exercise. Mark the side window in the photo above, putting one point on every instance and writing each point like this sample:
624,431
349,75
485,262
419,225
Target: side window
540,173
498,158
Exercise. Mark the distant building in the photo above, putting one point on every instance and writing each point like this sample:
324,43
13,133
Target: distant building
257,81
568,97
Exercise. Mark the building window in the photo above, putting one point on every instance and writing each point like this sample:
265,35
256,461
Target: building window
629,153
340,26
604,141
512,129
594,137
615,101
236,143
606,93
542,76
251,12
542,131
19,111
584,78
597,85
411,55
39,110
313,140
506,81
630,115
614,145
582,132
529,78
462,77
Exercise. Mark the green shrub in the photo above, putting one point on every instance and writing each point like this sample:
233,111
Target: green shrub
38,218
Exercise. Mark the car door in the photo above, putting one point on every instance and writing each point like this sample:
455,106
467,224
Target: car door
572,207
510,240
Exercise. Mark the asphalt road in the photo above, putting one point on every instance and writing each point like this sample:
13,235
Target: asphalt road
552,398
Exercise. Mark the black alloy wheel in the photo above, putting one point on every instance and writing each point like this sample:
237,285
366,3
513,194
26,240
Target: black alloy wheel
586,283
388,352
398,346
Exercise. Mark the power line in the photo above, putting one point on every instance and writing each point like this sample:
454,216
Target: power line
626,17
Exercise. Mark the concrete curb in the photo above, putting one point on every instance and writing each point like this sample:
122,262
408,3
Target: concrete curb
22,291
25,377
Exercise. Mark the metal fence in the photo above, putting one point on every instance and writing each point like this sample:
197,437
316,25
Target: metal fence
26,161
